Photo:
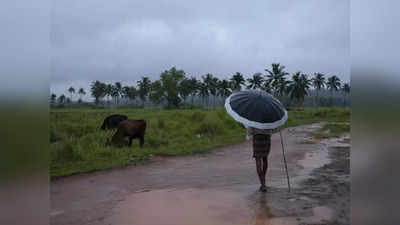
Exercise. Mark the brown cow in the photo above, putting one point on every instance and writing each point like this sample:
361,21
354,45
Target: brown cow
128,130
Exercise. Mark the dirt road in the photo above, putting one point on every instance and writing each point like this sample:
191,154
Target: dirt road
219,187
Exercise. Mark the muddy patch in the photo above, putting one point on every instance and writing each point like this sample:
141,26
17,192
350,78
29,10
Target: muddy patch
333,181
328,187
182,207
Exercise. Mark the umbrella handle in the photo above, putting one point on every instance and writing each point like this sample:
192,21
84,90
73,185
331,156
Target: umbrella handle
284,160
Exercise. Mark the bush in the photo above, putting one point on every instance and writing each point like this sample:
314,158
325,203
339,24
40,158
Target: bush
53,136
198,116
190,106
209,128
332,130
222,114
161,123
66,152
156,141
321,113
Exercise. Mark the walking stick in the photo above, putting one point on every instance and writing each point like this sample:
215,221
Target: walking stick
284,160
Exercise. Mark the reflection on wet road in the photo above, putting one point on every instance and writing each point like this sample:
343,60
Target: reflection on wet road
191,206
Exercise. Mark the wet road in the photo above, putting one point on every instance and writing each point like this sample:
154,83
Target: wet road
219,187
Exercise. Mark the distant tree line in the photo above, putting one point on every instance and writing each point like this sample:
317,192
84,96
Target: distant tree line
62,99
175,89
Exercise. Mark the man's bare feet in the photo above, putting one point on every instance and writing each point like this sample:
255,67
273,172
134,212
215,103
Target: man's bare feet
263,188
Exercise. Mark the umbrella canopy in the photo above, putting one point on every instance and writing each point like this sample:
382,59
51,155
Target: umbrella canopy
256,109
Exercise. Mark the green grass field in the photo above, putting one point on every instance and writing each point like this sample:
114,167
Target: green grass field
78,143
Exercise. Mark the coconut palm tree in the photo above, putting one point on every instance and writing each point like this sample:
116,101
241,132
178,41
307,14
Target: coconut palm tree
133,92
185,89
256,81
203,92
124,92
129,92
216,83
81,93
53,98
276,78
346,91
214,88
108,91
194,87
298,87
144,88
318,82
266,86
156,92
212,85
282,88
208,81
98,90
71,91
224,89
237,81
117,92
333,84
61,99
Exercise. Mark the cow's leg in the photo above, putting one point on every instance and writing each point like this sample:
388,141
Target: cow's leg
141,141
130,141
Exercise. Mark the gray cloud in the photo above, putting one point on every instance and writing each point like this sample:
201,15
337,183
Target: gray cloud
122,40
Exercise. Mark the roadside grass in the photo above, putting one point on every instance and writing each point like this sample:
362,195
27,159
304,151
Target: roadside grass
78,145
302,116
332,130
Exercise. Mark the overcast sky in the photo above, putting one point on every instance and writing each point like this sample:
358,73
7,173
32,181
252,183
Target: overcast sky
122,40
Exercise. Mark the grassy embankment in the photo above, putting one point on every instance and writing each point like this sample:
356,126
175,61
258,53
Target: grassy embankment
79,144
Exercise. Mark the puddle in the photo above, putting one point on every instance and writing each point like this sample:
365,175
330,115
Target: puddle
56,212
284,221
319,215
316,159
312,160
204,207
190,206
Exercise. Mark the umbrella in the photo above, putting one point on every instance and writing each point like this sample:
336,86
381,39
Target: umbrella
260,110
256,109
